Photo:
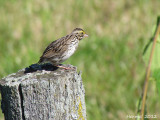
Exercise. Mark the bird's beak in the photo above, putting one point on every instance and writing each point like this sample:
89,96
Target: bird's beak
85,35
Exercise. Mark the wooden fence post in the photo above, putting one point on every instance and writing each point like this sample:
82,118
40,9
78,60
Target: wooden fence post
43,95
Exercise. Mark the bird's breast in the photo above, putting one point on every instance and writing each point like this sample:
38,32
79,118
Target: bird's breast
70,50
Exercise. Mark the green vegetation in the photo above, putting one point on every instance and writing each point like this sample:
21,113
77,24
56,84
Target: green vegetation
110,59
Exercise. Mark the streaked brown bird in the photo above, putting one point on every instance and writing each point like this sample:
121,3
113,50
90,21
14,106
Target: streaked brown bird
61,49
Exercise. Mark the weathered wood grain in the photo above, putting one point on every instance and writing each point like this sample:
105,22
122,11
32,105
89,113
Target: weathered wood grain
43,95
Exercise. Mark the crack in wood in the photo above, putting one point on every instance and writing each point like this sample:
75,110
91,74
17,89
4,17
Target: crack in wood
21,100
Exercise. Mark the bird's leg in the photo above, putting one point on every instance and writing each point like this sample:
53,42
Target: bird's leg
66,68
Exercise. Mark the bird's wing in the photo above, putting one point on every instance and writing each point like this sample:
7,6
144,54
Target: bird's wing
55,48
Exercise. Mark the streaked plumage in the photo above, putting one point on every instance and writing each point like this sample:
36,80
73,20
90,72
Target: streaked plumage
61,49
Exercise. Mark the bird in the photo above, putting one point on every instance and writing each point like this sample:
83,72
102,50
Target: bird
63,48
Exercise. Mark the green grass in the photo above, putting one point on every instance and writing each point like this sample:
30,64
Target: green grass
110,59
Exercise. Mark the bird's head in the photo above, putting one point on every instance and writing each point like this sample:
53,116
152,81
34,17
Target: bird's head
79,33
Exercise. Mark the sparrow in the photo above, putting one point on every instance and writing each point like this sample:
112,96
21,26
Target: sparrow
63,48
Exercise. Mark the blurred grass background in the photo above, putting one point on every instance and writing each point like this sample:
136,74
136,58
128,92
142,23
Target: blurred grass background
110,59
